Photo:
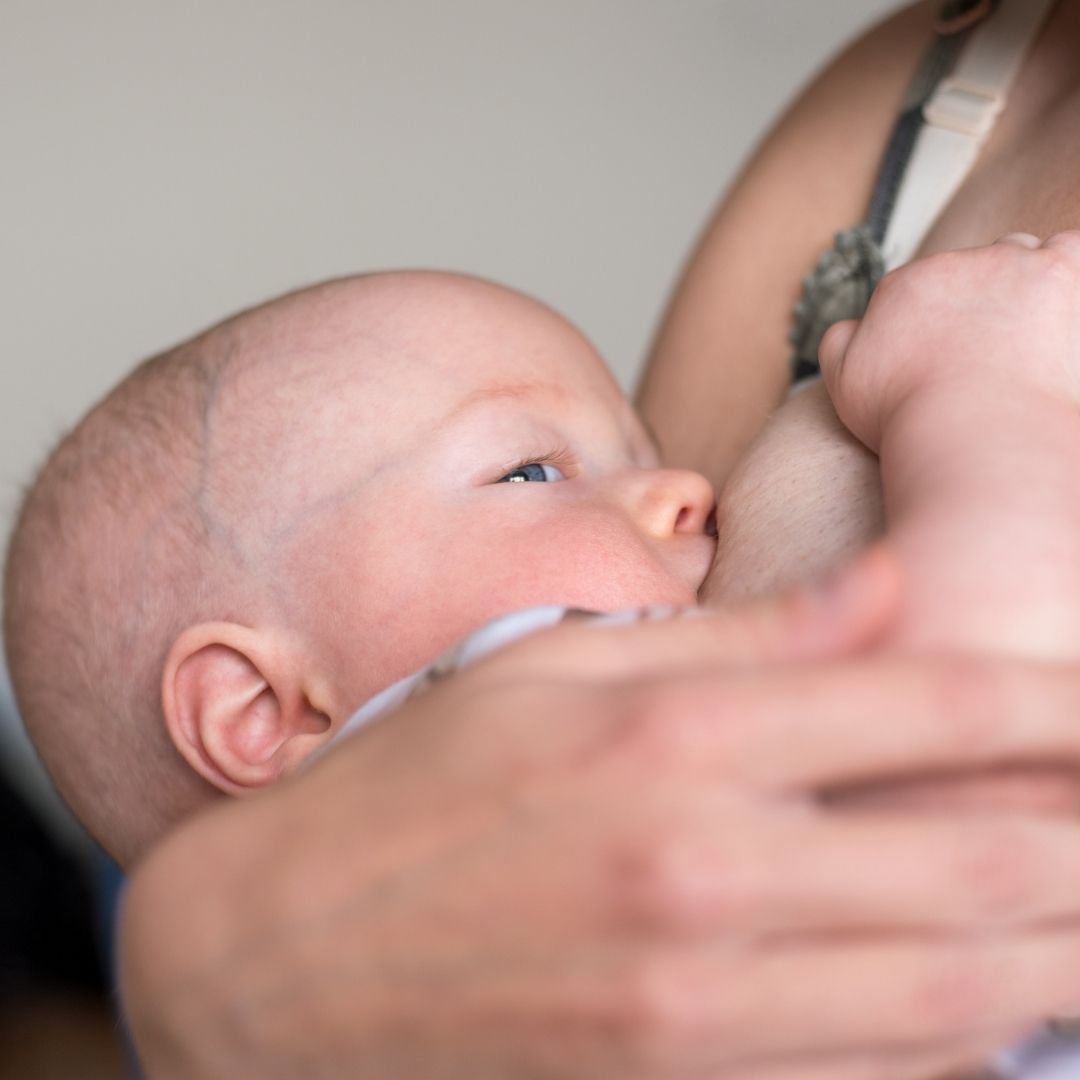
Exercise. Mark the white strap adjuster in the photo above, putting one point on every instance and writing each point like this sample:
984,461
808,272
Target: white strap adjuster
968,110
959,116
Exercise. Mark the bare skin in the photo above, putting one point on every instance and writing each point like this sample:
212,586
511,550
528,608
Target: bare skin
733,304
979,473
291,1003
801,495
584,854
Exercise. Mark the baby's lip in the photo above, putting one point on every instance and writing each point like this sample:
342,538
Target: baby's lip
712,533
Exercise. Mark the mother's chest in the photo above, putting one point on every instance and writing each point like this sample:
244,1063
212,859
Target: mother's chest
1027,178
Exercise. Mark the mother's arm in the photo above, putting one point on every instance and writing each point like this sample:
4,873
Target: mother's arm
719,363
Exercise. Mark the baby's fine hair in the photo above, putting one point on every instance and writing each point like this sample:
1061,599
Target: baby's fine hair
177,501
113,554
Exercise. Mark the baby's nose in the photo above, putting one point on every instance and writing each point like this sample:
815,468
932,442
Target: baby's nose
670,501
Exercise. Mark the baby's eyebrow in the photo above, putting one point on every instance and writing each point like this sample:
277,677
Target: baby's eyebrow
497,391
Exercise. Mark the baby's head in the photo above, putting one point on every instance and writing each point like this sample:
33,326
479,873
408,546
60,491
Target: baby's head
263,527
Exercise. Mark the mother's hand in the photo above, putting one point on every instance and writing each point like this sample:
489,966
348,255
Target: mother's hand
598,854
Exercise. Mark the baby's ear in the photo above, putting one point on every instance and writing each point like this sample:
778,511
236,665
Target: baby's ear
235,706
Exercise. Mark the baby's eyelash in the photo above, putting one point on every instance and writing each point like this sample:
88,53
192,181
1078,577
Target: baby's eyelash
561,457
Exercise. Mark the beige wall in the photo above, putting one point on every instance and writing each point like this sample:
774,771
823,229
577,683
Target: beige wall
164,164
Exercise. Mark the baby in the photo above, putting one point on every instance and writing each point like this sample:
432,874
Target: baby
263,528
305,503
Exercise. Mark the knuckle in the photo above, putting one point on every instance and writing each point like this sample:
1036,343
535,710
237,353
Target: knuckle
916,282
894,282
954,996
645,1014
650,884
662,882
1002,872
644,723
1061,266
645,730
649,881
966,702
655,725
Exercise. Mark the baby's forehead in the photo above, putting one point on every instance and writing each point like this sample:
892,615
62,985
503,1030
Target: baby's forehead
375,333
327,385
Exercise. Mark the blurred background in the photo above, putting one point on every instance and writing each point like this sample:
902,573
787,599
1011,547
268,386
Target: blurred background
166,165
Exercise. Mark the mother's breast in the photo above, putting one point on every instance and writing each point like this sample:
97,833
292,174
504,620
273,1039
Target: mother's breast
804,496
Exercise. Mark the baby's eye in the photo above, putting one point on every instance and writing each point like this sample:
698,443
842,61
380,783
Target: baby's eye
533,473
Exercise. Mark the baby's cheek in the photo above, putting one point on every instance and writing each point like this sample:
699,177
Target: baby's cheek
574,559
805,497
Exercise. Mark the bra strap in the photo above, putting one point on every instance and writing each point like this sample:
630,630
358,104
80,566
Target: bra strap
957,118
951,104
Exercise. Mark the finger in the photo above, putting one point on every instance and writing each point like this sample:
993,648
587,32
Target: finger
851,997
848,612
665,869
834,345
837,724
855,399
1020,239
857,874
964,1059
